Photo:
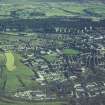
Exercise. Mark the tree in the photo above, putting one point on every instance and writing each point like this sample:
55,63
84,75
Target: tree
3,75
3,80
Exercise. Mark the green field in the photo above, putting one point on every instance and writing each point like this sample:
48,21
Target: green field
10,61
50,9
70,52
22,71
50,57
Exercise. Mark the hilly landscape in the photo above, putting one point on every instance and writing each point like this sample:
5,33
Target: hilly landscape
78,1
26,9
52,52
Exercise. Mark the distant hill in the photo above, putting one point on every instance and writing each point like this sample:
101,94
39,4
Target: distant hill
78,1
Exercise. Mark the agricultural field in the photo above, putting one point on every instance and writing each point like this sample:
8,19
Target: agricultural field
20,71
31,103
44,10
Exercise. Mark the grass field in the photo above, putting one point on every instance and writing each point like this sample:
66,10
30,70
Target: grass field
10,61
70,52
22,71
50,57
